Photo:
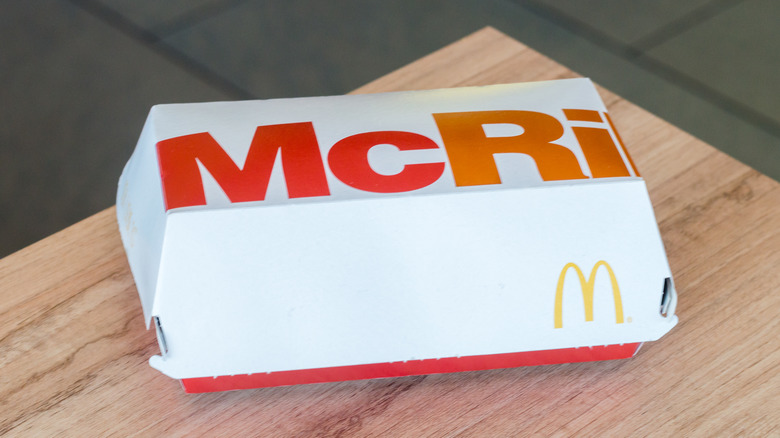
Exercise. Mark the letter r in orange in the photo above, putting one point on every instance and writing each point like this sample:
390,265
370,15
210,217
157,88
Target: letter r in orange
471,152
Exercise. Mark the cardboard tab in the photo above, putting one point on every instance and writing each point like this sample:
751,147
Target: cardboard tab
321,239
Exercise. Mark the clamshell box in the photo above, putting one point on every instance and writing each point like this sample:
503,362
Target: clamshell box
288,241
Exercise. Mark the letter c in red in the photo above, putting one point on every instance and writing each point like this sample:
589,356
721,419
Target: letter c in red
348,159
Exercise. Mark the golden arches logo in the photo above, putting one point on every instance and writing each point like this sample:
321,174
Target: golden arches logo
587,292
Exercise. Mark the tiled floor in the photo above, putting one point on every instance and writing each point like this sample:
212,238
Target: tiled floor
79,76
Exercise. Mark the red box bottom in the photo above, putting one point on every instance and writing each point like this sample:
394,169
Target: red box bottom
409,368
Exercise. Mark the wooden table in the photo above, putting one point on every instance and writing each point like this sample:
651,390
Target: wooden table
74,350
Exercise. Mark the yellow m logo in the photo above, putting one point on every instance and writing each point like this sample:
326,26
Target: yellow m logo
587,292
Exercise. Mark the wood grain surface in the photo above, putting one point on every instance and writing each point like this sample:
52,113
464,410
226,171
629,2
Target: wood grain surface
74,348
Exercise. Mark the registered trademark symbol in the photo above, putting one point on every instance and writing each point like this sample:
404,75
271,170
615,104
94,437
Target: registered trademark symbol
629,319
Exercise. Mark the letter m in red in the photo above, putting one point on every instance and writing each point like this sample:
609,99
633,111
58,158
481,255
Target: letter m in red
295,142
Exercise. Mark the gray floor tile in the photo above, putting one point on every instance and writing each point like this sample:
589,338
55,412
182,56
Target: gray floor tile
299,48
75,95
624,21
159,17
736,54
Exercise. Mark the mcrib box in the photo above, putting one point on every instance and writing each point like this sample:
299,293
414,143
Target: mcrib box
321,239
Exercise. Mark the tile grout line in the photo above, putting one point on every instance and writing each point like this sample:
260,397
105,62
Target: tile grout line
580,28
682,24
722,101
655,67
195,16
155,43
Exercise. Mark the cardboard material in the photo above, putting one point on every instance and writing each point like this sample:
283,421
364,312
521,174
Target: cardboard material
320,239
